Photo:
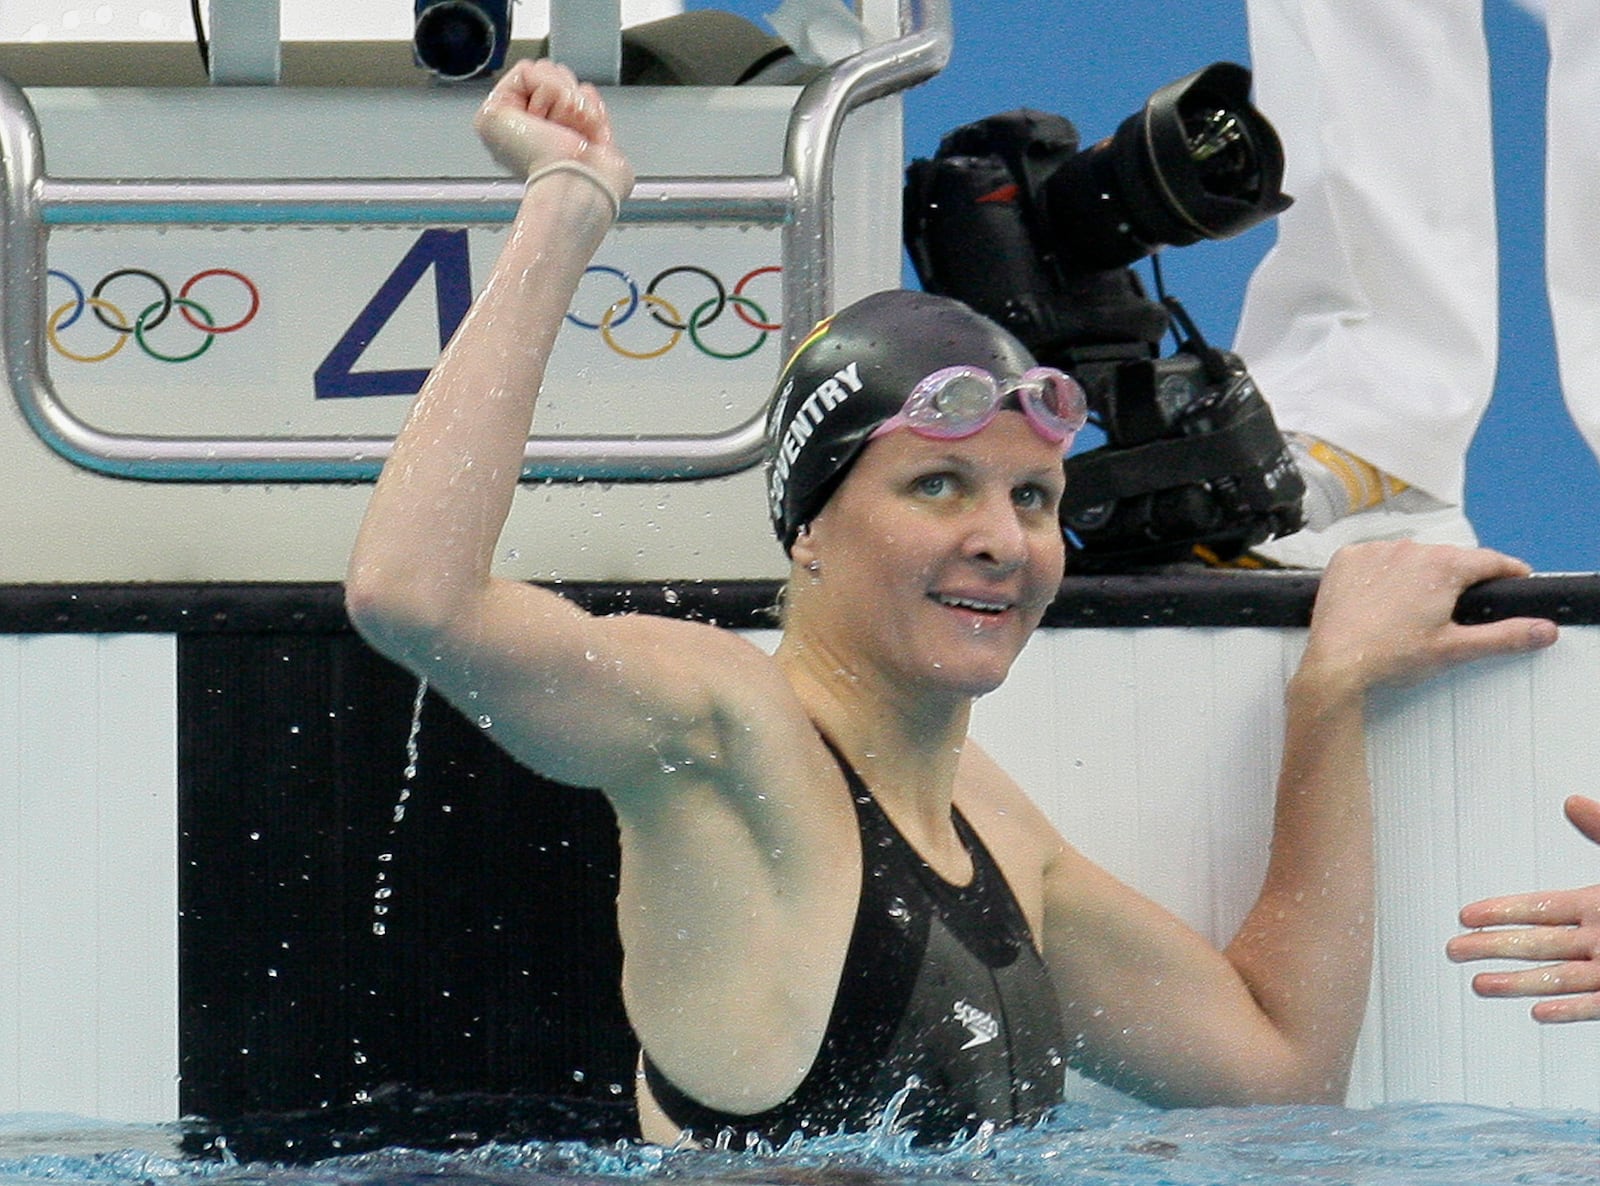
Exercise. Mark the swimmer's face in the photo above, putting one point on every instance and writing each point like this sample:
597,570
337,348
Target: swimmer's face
938,558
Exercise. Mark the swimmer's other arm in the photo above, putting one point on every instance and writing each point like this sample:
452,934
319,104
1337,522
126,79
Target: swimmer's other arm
1158,1011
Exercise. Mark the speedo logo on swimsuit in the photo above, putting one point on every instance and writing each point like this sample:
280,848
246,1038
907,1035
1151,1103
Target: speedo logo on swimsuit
982,1026
829,394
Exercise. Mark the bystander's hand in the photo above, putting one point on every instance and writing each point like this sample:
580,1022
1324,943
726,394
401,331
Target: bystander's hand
1559,930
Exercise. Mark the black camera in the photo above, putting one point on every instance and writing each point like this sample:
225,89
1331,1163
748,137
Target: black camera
461,39
1193,459
1010,217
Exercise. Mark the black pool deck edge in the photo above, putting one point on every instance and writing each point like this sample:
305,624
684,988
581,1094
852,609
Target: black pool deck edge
1202,598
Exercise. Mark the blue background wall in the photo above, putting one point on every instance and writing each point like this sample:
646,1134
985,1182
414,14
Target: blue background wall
1533,488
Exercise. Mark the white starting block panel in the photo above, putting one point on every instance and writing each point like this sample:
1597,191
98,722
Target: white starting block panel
244,323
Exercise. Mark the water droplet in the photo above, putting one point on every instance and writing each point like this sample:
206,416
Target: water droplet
398,813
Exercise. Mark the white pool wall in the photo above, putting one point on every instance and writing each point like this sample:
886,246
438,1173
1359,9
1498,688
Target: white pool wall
1159,765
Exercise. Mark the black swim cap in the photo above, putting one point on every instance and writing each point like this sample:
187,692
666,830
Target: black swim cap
855,371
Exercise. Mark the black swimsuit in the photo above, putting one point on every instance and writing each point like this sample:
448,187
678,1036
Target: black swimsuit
942,986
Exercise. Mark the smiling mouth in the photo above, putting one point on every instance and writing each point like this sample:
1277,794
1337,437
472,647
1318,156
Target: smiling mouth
974,604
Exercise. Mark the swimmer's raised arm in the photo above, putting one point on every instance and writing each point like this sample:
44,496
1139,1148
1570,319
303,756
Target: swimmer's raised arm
566,693
1274,1018
1557,929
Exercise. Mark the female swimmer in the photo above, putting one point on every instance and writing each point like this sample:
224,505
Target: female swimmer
828,893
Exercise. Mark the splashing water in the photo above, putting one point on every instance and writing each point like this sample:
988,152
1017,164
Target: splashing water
1078,1145
383,890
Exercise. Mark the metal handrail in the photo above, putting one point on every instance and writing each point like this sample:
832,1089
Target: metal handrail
798,201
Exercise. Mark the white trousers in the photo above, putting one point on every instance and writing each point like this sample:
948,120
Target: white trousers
1373,321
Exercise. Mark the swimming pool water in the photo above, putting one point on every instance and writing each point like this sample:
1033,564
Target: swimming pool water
1079,1145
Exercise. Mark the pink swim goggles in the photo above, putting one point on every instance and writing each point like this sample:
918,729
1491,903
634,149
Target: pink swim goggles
956,402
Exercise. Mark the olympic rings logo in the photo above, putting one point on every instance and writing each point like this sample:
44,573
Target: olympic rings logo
671,325
151,316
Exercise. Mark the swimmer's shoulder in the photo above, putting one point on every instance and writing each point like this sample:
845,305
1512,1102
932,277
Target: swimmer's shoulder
985,791
1021,838
736,717
1050,876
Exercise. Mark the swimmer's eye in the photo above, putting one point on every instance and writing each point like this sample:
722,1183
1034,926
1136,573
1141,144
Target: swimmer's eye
1030,496
939,485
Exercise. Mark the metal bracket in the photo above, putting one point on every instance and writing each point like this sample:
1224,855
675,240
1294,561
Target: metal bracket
798,201
587,36
246,43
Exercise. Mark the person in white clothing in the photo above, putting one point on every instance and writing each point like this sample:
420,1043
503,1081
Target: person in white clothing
1371,326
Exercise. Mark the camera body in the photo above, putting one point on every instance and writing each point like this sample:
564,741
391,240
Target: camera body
1010,217
1193,458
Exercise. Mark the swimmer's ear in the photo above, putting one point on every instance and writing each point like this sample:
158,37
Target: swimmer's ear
804,549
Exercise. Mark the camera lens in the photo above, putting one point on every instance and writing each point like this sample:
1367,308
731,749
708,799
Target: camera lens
1226,159
455,39
1198,162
